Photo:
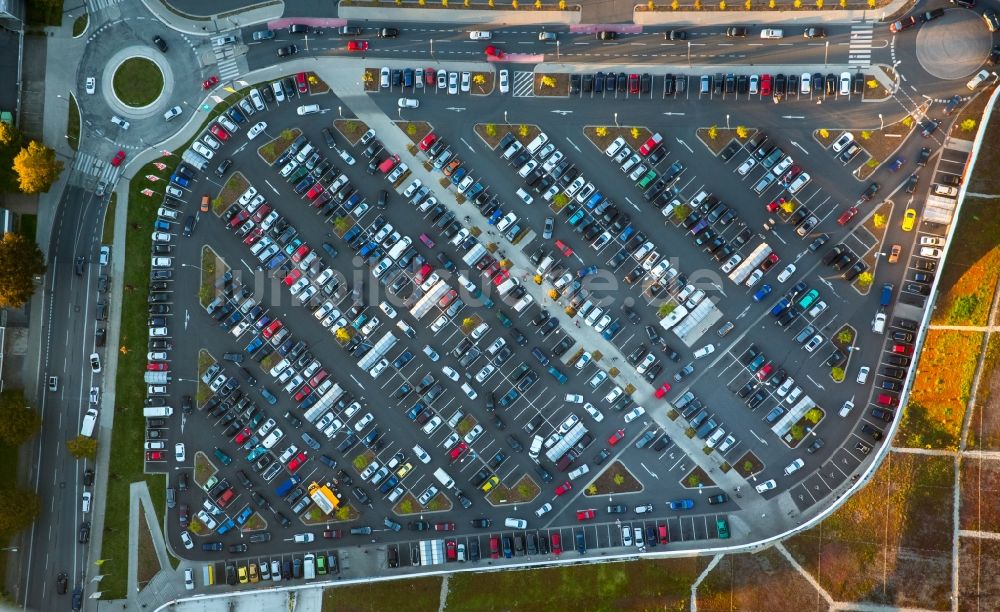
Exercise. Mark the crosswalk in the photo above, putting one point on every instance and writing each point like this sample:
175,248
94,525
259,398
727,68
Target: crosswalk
524,84
226,59
860,51
95,5
92,165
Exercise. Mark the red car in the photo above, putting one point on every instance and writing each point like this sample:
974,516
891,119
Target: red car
444,526
219,132
564,248
272,328
556,543
664,538
429,76
298,462
242,436
210,82
793,172
765,85
422,275
566,486
300,253
492,51
769,262
238,219
318,378
118,159
260,213
293,276
899,349
301,84
501,276
451,550
585,515
157,366
428,141
303,392
848,215
662,390
633,83
456,452
253,236
154,455
314,192
775,205
764,372
616,437
495,547
357,45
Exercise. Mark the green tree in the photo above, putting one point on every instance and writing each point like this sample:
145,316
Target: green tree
865,279
82,447
20,261
343,513
837,374
18,509
18,422
681,212
10,144
968,125
814,415
560,199
845,336
522,131
635,133
748,465
601,131
411,129
619,479
788,206
665,309
824,133
797,432
693,480
341,225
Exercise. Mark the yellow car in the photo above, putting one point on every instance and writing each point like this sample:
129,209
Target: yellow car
254,577
243,575
909,218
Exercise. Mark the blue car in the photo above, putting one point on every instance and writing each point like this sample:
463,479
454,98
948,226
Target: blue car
276,261
612,329
177,179
255,344
244,516
256,453
457,176
780,307
496,216
161,226
582,272
226,526
762,293
270,397
682,504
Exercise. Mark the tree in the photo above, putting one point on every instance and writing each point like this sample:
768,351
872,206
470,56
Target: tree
796,430
871,83
824,133
713,132
845,336
343,335
592,490
665,309
562,5
878,220
422,2
467,324
560,201
968,125
651,6
444,3
490,3
522,131
18,422
872,162
341,225
871,4
770,4
697,5
343,513
865,135
797,4
553,294
601,132
748,5
635,133
865,279
819,4
18,509
548,81
514,5
681,212
368,77
813,415
722,5
538,4
411,128
748,465
788,206
466,4
693,480
837,374
8,134
20,261
619,479
741,132
479,79
491,130
843,4
37,168
674,5
82,447
907,121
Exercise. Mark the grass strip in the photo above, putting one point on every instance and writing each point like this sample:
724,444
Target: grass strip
73,125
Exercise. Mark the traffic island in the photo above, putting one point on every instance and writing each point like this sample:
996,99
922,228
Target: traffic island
875,226
317,85
213,267
416,131
235,186
148,565
342,225
748,465
601,135
696,479
806,425
204,469
205,361
616,478
716,139
881,144
271,151
409,505
371,77
255,523
482,83
493,133
843,340
315,516
555,85
351,129
137,82
523,491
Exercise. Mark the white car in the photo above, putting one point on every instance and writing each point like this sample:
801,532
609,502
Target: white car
256,130
466,81
202,149
452,82
480,35
408,103
388,310
845,410
91,85
863,375
308,109
383,77
546,507
508,220
363,422
485,373
975,81
792,467
504,82
188,573
593,412
845,139
800,181
634,414
186,539
786,273
179,452
450,373
303,538
613,395
211,141
647,361
766,486
378,368
727,443
474,433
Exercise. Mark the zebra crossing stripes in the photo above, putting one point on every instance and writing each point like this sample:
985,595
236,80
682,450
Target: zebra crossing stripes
523,84
859,53
94,166
95,5
226,60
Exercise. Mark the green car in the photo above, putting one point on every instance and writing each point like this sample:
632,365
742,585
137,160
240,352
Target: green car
504,319
723,528
320,564
808,299
222,456
645,181
298,175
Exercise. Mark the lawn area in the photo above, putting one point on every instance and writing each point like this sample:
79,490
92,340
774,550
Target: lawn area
8,482
662,584
73,125
417,595
108,235
148,563
985,178
947,363
890,543
138,81
984,427
128,435
28,226
973,265
763,581
979,559
80,25
44,12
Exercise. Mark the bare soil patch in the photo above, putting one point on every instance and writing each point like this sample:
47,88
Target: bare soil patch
493,133
271,151
601,135
881,144
231,191
762,581
551,85
980,490
723,136
524,490
978,588
351,129
616,478
415,130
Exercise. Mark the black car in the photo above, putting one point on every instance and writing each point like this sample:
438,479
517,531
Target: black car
388,33
287,51
84,532
160,43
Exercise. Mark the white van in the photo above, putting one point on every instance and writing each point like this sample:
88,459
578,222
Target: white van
536,446
400,247
89,422
161,411
537,143
309,566
524,302
515,523
507,286
304,154
443,477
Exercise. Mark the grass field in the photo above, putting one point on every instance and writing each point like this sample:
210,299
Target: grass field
933,417
28,226
764,581
73,125
417,595
980,488
108,234
891,542
137,82
979,559
984,427
8,481
986,179
972,267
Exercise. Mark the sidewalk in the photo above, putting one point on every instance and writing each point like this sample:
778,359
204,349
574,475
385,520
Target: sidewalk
497,17
192,24
791,19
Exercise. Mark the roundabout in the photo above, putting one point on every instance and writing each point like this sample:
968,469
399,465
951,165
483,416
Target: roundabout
138,82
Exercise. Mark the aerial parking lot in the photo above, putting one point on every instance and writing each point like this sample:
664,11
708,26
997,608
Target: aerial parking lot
477,340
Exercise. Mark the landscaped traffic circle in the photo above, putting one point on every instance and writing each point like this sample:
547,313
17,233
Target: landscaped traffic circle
138,82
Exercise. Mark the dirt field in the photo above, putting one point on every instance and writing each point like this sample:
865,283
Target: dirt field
980,487
978,588
765,581
984,427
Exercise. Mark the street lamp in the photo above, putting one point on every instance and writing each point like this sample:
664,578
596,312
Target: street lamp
505,118
340,111
881,123
727,121
826,53
400,111
616,120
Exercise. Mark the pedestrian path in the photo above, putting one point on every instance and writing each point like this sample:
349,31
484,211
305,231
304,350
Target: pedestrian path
860,51
523,84
228,68
94,166
95,5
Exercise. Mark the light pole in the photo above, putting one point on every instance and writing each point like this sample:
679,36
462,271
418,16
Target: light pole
505,118
826,53
616,120
340,111
689,54
400,112
727,121
881,123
